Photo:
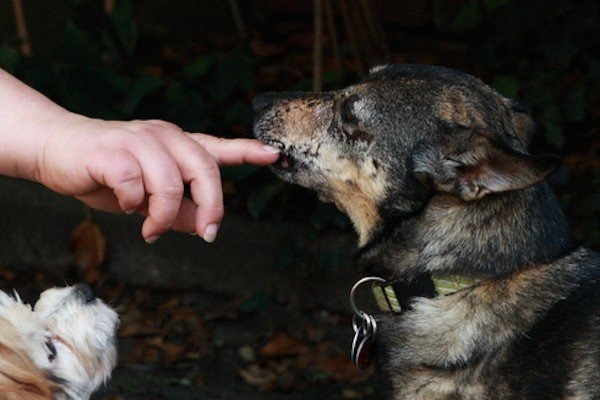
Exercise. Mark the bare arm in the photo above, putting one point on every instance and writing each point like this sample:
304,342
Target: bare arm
120,166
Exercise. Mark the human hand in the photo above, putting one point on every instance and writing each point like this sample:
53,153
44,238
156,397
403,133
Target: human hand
142,166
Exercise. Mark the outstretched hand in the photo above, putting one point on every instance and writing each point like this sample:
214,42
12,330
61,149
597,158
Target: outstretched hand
142,166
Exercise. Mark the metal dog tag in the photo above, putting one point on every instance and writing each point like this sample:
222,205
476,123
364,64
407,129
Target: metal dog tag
365,354
363,344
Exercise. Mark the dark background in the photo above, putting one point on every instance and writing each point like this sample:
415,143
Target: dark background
198,64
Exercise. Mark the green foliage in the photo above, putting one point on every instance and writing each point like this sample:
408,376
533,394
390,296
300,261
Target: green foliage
257,302
316,376
9,59
508,85
103,71
543,52
468,16
106,69
124,26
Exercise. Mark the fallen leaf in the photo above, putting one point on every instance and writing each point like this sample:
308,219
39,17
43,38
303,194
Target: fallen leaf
145,327
281,366
6,274
314,334
171,352
341,368
282,345
351,394
88,246
262,378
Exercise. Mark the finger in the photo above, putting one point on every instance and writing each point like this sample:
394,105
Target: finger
209,198
163,185
199,168
123,174
236,151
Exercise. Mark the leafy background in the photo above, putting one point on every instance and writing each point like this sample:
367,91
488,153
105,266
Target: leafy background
152,60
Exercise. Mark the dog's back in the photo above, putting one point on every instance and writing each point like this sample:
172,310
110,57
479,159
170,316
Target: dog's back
560,356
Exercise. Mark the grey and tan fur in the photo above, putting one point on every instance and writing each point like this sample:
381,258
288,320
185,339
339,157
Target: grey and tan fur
431,166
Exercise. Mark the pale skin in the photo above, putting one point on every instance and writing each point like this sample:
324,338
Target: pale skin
121,166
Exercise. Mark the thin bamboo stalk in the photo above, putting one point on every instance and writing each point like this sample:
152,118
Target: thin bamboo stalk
237,18
109,6
22,34
363,40
333,38
318,46
364,4
351,37
376,27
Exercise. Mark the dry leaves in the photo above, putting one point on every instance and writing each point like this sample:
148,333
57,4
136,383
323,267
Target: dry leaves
170,333
263,378
282,345
88,245
285,361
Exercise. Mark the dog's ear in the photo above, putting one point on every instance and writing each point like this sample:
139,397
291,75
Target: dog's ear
483,168
525,126
484,139
20,379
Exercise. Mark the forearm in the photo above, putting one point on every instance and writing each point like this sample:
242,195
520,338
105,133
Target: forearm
27,118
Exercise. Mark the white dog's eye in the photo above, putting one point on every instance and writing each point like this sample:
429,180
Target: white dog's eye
51,350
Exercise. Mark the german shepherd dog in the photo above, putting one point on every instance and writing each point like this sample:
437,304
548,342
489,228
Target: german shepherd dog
431,166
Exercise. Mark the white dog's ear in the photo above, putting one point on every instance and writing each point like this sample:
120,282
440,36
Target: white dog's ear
20,378
482,169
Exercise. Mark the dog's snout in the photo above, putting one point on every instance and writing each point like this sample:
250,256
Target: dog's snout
85,291
262,101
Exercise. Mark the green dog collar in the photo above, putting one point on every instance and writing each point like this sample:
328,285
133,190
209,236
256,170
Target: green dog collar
387,293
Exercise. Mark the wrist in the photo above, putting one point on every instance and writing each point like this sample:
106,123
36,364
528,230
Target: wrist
53,147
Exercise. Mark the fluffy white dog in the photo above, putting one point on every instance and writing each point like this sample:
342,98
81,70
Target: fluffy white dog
63,348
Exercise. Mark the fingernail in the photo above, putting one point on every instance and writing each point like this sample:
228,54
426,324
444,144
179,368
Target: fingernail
129,212
152,239
194,234
210,233
271,149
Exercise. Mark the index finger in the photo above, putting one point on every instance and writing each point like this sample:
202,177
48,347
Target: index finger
236,151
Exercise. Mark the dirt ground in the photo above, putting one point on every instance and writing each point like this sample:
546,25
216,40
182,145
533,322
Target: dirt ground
195,345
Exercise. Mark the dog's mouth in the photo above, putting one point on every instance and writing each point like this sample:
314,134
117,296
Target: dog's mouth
288,162
285,162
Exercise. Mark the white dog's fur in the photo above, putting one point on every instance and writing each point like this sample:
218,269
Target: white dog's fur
63,348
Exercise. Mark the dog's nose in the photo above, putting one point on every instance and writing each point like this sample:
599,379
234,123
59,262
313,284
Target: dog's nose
86,292
262,101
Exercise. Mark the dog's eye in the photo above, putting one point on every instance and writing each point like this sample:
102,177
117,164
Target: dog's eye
358,135
51,350
347,110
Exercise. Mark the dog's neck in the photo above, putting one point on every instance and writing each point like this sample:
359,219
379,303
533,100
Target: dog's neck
493,235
